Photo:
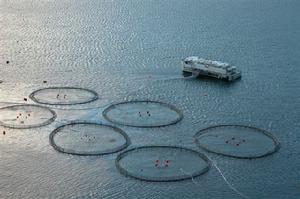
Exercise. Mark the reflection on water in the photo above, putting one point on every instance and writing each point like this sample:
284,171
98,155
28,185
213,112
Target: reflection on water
126,50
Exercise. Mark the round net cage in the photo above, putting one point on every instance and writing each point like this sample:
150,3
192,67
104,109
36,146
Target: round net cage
88,139
161,163
26,116
237,141
142,114
63,96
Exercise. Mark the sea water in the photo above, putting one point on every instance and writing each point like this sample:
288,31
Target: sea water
131,50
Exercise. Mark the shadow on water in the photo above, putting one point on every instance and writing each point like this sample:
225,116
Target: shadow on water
210,81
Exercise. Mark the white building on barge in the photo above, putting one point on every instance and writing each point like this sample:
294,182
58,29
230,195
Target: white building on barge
203,67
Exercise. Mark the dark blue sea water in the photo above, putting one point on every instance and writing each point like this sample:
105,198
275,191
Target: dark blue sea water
126,49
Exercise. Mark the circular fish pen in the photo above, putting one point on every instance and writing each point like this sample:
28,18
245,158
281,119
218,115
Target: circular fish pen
142,114
237,141
161,163
63,96
88,139
26,116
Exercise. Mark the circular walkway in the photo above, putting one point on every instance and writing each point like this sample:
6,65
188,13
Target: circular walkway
237,141
26,116
63,96
88,139
161,163
143,114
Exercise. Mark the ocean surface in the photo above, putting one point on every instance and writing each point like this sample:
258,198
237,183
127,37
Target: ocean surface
131,50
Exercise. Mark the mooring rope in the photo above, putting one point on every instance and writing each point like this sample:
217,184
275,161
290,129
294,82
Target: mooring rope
231,186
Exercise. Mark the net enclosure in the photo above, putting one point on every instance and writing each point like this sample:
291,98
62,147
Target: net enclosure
142,114
237,141
161,163
84,138
26,116
63,96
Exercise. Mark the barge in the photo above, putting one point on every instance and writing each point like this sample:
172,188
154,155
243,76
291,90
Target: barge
203,67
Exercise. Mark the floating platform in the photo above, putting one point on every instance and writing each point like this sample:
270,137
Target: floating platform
209,68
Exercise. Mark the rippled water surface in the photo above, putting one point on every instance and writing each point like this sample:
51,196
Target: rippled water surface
131,50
